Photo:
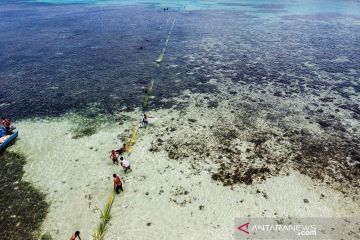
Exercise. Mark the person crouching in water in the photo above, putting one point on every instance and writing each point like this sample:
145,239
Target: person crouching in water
121,150
117,183
113,157
76,235
125,164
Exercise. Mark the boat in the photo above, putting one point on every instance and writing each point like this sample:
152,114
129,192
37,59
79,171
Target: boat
6,139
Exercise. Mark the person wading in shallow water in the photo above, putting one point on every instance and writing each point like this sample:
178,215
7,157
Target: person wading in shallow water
113,157
125,164
76,235
145,120
117,183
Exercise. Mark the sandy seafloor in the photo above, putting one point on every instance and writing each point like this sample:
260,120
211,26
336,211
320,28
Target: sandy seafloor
247,126
178,203
168,197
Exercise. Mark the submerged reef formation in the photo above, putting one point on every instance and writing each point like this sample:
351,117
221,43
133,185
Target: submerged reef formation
89,121
23,208
246,147
278,105
249,98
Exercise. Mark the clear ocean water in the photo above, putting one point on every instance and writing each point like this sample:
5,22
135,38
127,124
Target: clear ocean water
58,56
245,92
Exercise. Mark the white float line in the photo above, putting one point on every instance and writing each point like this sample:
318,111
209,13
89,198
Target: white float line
168,37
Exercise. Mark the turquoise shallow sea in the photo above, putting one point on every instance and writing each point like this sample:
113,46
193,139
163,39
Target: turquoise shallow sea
286,6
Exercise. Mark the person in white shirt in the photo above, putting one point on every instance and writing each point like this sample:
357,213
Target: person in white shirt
125,164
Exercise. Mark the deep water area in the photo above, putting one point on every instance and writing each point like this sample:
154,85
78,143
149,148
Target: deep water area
57,58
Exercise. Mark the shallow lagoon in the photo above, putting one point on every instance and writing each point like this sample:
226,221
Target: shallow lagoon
249,96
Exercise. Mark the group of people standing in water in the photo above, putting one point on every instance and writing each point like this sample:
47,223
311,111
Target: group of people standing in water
116,155
118,159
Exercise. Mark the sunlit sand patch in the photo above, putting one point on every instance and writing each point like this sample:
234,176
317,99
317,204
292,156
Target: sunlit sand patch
75,173
171,202
161,193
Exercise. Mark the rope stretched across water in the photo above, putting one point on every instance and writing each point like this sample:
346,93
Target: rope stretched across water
162,54
99,233
158,61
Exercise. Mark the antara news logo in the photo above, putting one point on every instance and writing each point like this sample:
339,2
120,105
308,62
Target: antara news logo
265,228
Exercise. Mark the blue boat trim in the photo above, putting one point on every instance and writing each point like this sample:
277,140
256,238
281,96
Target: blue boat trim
11,138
